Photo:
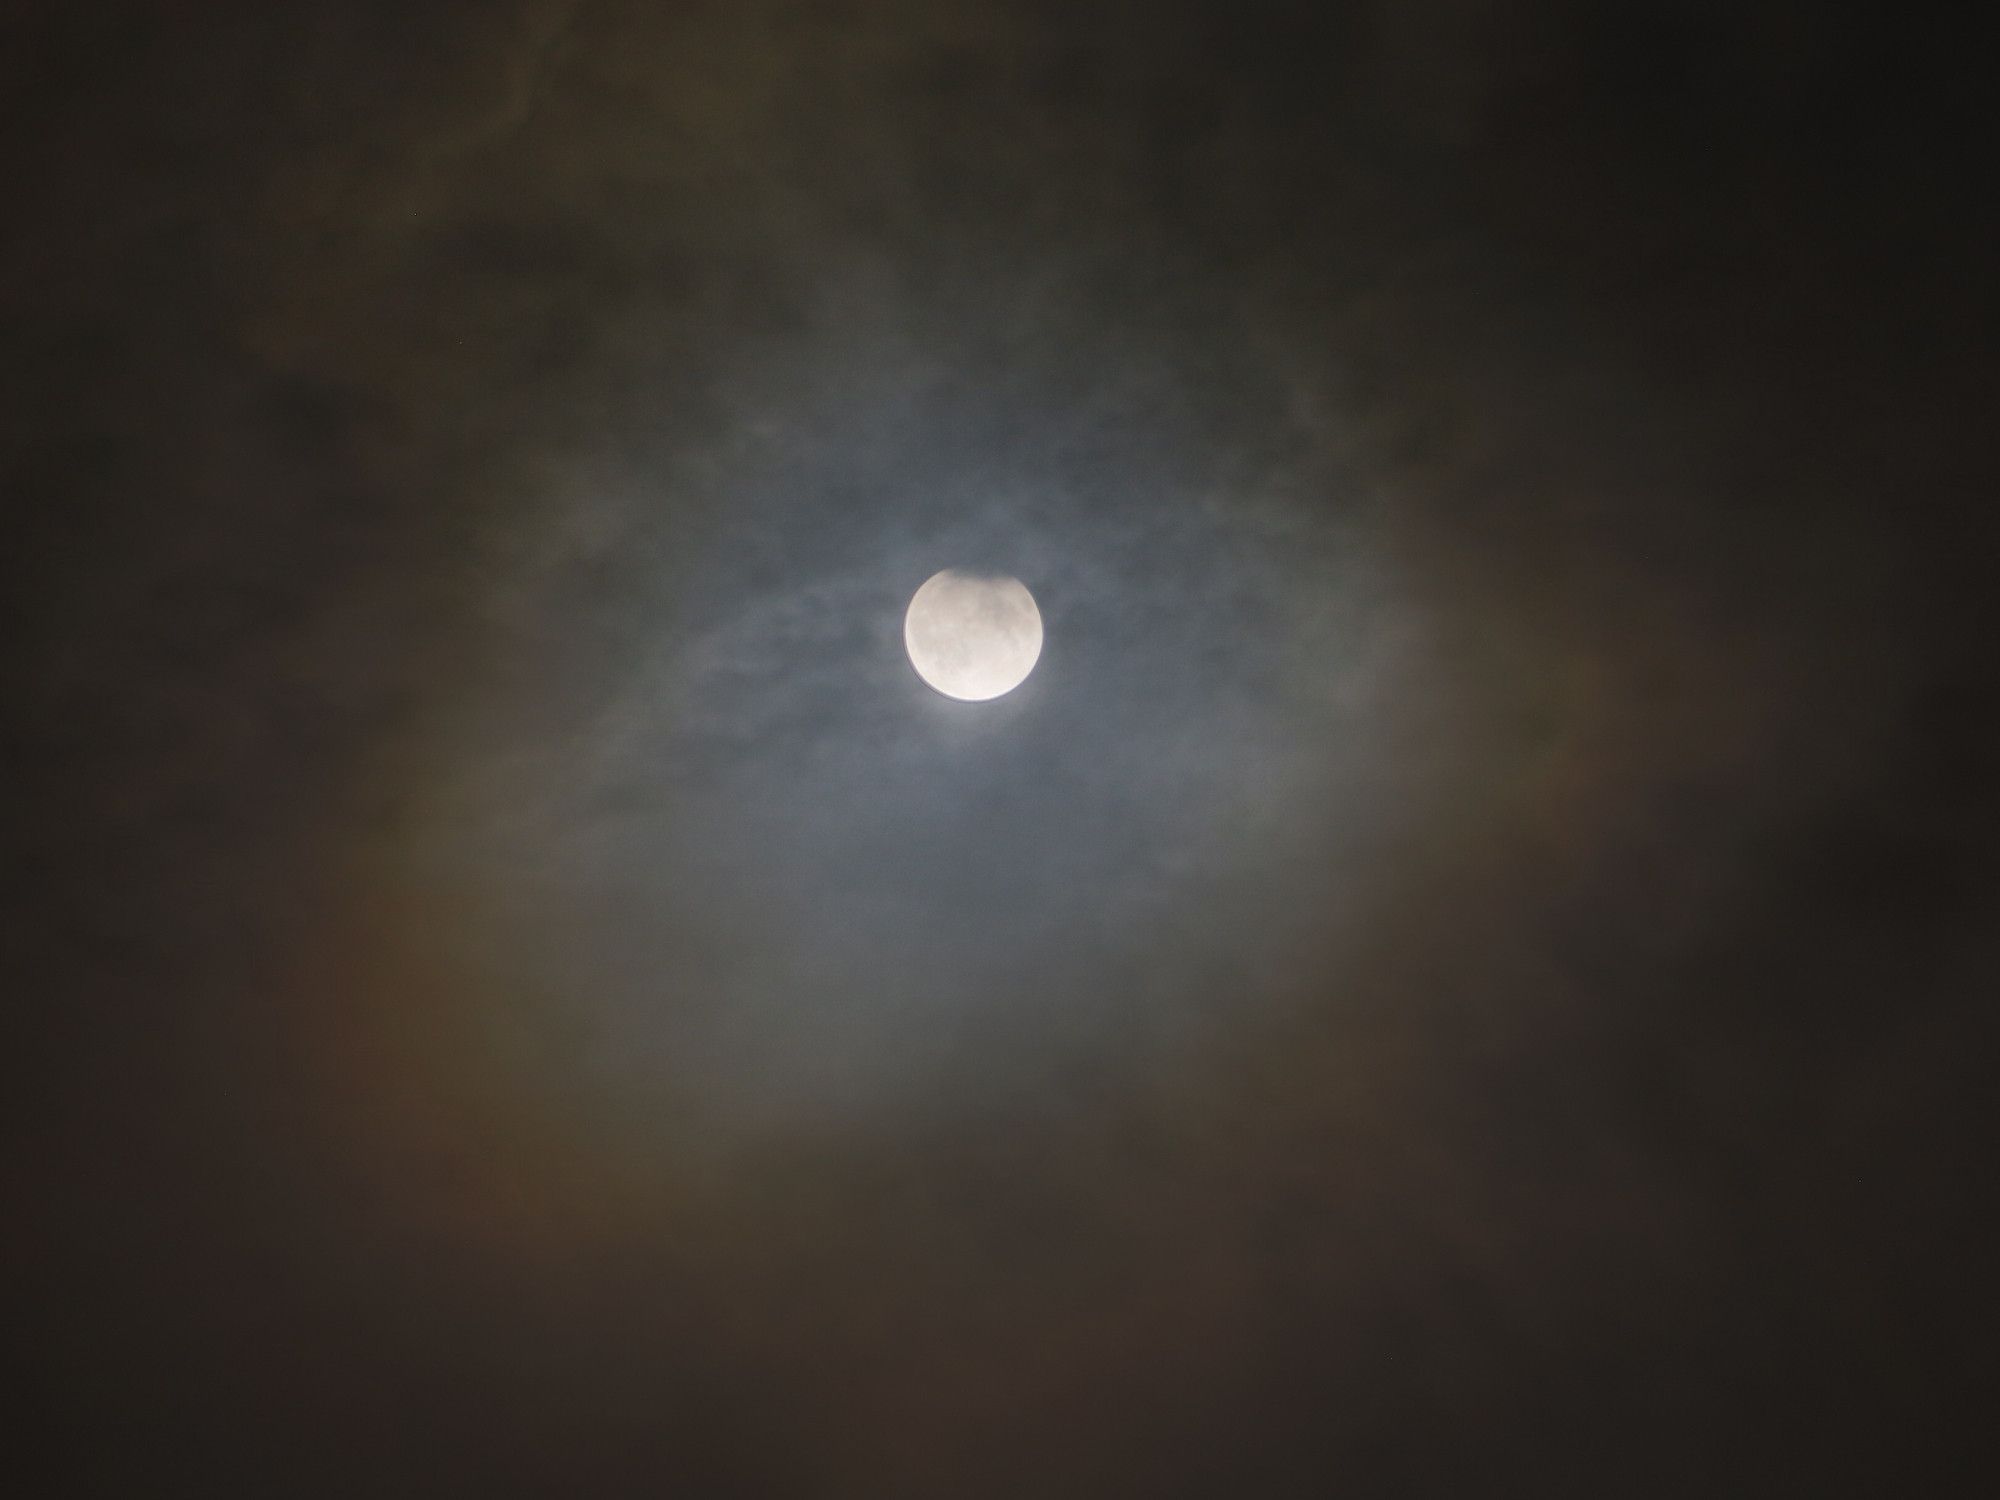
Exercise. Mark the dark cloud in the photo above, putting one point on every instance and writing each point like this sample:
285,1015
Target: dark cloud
1461,969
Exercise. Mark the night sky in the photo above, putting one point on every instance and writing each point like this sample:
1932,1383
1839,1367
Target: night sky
1467,970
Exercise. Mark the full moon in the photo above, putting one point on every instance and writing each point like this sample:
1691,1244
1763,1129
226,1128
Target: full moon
973,636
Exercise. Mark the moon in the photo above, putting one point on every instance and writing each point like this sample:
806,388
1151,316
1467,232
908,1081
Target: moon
973,636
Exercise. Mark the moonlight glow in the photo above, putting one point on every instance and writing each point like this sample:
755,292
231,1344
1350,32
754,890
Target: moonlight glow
973,636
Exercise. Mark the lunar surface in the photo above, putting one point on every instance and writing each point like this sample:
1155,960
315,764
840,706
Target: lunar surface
973,636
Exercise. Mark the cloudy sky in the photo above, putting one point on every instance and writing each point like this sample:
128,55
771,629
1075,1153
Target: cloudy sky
1463,970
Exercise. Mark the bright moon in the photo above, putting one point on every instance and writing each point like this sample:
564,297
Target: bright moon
973,636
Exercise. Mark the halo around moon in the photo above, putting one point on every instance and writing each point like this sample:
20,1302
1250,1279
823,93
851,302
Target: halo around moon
973,636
